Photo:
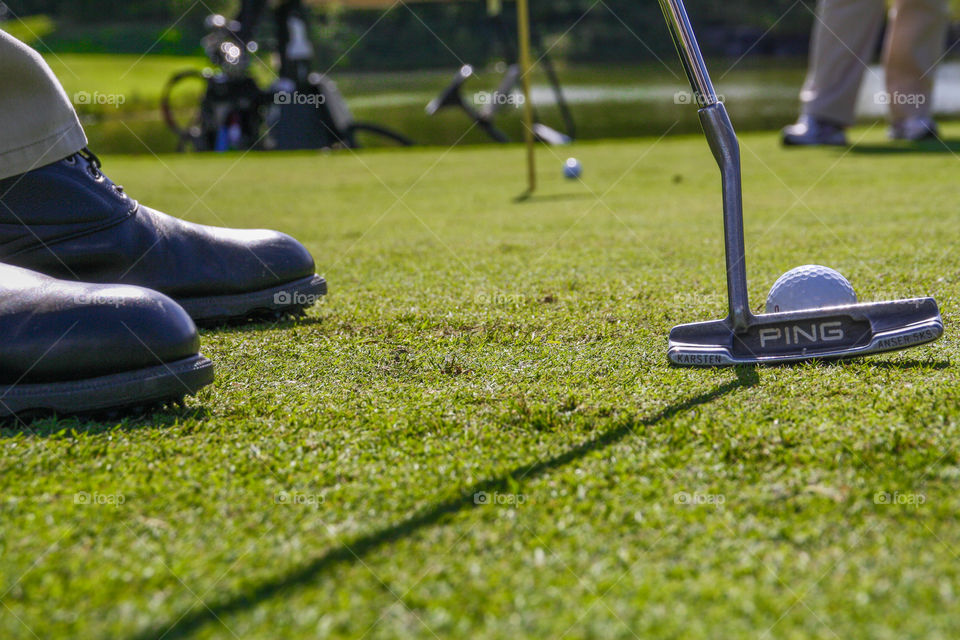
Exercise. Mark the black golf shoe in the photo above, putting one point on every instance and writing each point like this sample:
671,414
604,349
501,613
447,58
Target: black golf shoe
71,347
69,221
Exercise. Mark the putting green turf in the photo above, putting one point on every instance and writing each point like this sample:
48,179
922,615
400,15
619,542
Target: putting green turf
324,487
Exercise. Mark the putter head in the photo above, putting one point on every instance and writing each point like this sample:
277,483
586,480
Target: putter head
823,334
450,97
550,136
510,79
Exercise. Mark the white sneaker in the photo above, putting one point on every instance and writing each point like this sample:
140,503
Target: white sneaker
913,129
811,131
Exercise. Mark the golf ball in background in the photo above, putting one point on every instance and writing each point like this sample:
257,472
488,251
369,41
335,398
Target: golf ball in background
572,169
809,287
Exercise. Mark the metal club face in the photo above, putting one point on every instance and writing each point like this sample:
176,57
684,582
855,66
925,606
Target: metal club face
450,96
745,338
823,334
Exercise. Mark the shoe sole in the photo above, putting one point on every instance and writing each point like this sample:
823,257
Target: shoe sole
290,298
161,384
793,142
932,135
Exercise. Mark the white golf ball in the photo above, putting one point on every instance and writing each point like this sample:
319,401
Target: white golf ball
809,287
572,169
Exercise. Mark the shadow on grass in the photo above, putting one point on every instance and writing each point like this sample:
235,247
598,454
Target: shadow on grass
898,148
93,424
937,365
194,618
262,325
553,197
866,361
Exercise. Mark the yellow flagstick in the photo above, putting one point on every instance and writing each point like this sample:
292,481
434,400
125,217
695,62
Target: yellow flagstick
523,27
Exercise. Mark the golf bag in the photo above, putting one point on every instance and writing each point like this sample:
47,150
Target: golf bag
302,109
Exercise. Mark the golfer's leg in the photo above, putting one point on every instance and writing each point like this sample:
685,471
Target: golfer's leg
914,45
845,35
38,124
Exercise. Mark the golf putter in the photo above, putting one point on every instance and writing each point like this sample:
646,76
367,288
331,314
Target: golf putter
452,97
744,338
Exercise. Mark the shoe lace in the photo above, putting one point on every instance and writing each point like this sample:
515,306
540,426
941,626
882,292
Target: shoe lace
93,166
93,162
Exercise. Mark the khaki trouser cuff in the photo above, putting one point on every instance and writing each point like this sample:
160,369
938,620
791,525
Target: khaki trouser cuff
43,152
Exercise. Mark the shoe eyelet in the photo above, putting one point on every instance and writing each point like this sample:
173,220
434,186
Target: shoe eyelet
70,161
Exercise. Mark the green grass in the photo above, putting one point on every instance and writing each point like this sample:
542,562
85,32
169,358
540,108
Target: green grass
138,79
473,344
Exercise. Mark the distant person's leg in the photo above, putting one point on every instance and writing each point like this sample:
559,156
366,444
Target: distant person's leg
845,36
914,45
39,125
61,216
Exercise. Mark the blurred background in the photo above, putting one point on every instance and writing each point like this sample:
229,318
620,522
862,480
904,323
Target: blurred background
389,59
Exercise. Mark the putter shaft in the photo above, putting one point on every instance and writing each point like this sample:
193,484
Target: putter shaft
726,150
690,56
